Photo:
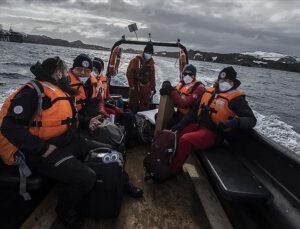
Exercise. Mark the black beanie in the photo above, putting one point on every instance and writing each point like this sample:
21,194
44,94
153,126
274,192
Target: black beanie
149,48
229,73
98,63
83,61
191,68
49,65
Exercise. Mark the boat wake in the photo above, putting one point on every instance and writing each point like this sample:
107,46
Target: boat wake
272,127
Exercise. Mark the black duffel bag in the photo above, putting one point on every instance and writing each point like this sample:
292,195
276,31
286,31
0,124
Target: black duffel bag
105,199
110,134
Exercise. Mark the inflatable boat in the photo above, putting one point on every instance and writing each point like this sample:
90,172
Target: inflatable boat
248,181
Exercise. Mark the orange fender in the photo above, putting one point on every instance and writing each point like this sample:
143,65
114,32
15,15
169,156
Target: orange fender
182,60
114,61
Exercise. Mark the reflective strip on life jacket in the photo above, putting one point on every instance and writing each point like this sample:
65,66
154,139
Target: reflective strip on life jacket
78,85
53,121
217,105
104,81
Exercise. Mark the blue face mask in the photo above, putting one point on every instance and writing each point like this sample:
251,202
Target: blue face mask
147,56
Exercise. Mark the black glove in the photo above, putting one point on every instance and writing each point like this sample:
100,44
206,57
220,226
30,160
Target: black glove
166,83
228,124
166,88
177,127
110,103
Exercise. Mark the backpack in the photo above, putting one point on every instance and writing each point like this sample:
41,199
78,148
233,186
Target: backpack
157,161
145,129
105,199
127,119
110,134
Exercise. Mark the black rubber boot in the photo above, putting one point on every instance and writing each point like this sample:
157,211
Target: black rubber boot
70,219
133,191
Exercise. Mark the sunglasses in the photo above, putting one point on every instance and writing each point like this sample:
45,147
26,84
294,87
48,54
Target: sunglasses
82,70
187,74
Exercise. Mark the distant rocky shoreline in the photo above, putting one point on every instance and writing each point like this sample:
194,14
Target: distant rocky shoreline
287,63
41,39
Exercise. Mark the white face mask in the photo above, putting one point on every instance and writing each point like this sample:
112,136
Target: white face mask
224,86
83,79
95,73
187,79
147,56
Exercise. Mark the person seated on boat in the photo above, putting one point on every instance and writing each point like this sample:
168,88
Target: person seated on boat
87,102
141,79
107,105
185,94
39,121
221,109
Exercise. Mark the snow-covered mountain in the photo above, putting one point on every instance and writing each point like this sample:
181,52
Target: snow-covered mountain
273,56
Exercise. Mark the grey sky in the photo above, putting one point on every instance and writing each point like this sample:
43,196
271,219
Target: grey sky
207,25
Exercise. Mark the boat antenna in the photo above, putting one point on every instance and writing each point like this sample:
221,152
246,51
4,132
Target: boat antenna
133,28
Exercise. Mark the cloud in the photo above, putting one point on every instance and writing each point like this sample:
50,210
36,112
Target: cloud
209,25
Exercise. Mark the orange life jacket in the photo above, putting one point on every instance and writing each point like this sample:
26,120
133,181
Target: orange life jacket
185,90
46,124
104,79
99,88
218,104
114,61
182,60
81,98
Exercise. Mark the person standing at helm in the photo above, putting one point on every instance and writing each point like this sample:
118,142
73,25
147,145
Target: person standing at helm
221,109
141,79
39,121
185,94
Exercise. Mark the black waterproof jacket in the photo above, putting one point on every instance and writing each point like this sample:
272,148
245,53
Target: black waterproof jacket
14,124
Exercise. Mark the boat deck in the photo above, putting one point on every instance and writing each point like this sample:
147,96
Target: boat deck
173,204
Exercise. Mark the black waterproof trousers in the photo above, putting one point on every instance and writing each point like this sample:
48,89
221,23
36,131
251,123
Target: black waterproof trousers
65,165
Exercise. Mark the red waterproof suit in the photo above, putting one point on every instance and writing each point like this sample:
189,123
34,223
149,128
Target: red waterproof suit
200,127
185,97
141,80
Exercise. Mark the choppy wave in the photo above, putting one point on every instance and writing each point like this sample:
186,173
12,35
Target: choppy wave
17,64
13,75
277,130
5,94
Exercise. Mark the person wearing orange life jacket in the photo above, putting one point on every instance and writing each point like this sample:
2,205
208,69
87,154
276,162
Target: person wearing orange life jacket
185,94
98,66
82,80
41,122
221,109
86,83
105,107
141,79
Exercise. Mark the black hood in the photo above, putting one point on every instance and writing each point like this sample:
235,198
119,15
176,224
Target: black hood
40,73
